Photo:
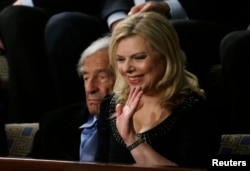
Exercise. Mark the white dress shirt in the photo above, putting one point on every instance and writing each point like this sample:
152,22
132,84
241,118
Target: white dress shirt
27,3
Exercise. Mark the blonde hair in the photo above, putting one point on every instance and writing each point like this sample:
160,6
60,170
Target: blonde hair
162,37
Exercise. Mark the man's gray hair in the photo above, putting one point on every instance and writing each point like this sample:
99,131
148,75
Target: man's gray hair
97,45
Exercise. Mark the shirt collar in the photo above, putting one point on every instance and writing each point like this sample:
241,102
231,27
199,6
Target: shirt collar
91,121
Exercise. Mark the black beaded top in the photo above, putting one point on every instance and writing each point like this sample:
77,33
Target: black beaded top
187,137
160,130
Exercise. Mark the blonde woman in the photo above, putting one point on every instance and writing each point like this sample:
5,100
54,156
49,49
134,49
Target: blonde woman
157,114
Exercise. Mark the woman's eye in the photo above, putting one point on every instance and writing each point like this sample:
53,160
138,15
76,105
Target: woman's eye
141,57
120,59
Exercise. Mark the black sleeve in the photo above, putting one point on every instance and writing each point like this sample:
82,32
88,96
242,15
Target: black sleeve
103,127
36,147
89,7
5,3
112,6
58,137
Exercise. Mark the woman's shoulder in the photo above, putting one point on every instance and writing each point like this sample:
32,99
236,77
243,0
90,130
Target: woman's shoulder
194,109
193,105
192,101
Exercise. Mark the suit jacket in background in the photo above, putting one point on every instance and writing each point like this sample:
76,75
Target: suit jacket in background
5,3
58,136
227,12
89,7
112,6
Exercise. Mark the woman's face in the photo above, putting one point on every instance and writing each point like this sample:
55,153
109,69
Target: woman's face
139,64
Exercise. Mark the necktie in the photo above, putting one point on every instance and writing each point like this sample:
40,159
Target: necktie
89,139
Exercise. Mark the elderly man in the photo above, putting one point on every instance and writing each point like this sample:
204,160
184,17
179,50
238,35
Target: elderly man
59,134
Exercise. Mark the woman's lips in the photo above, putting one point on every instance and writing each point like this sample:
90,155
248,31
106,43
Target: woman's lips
135,80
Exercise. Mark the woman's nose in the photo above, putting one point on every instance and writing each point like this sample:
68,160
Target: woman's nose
128,67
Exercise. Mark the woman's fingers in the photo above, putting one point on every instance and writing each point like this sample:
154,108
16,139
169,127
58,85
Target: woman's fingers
134,96
118,110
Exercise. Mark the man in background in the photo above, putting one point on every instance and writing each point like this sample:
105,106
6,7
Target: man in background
59,134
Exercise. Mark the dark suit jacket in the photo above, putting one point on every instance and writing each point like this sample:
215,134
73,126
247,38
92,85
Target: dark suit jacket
58,136
112,6
89,7
229,12
5,3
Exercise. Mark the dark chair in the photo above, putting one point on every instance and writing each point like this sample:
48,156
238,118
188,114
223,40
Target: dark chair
201,41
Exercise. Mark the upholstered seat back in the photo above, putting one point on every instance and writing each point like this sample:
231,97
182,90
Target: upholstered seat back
20,138
235,144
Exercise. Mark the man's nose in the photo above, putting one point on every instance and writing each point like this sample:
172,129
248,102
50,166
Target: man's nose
91,85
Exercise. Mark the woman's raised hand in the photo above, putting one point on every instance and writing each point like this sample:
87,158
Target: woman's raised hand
124,115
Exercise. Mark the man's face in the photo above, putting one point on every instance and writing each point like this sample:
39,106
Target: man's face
98,80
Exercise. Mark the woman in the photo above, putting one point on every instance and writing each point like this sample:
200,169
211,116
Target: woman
157,114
